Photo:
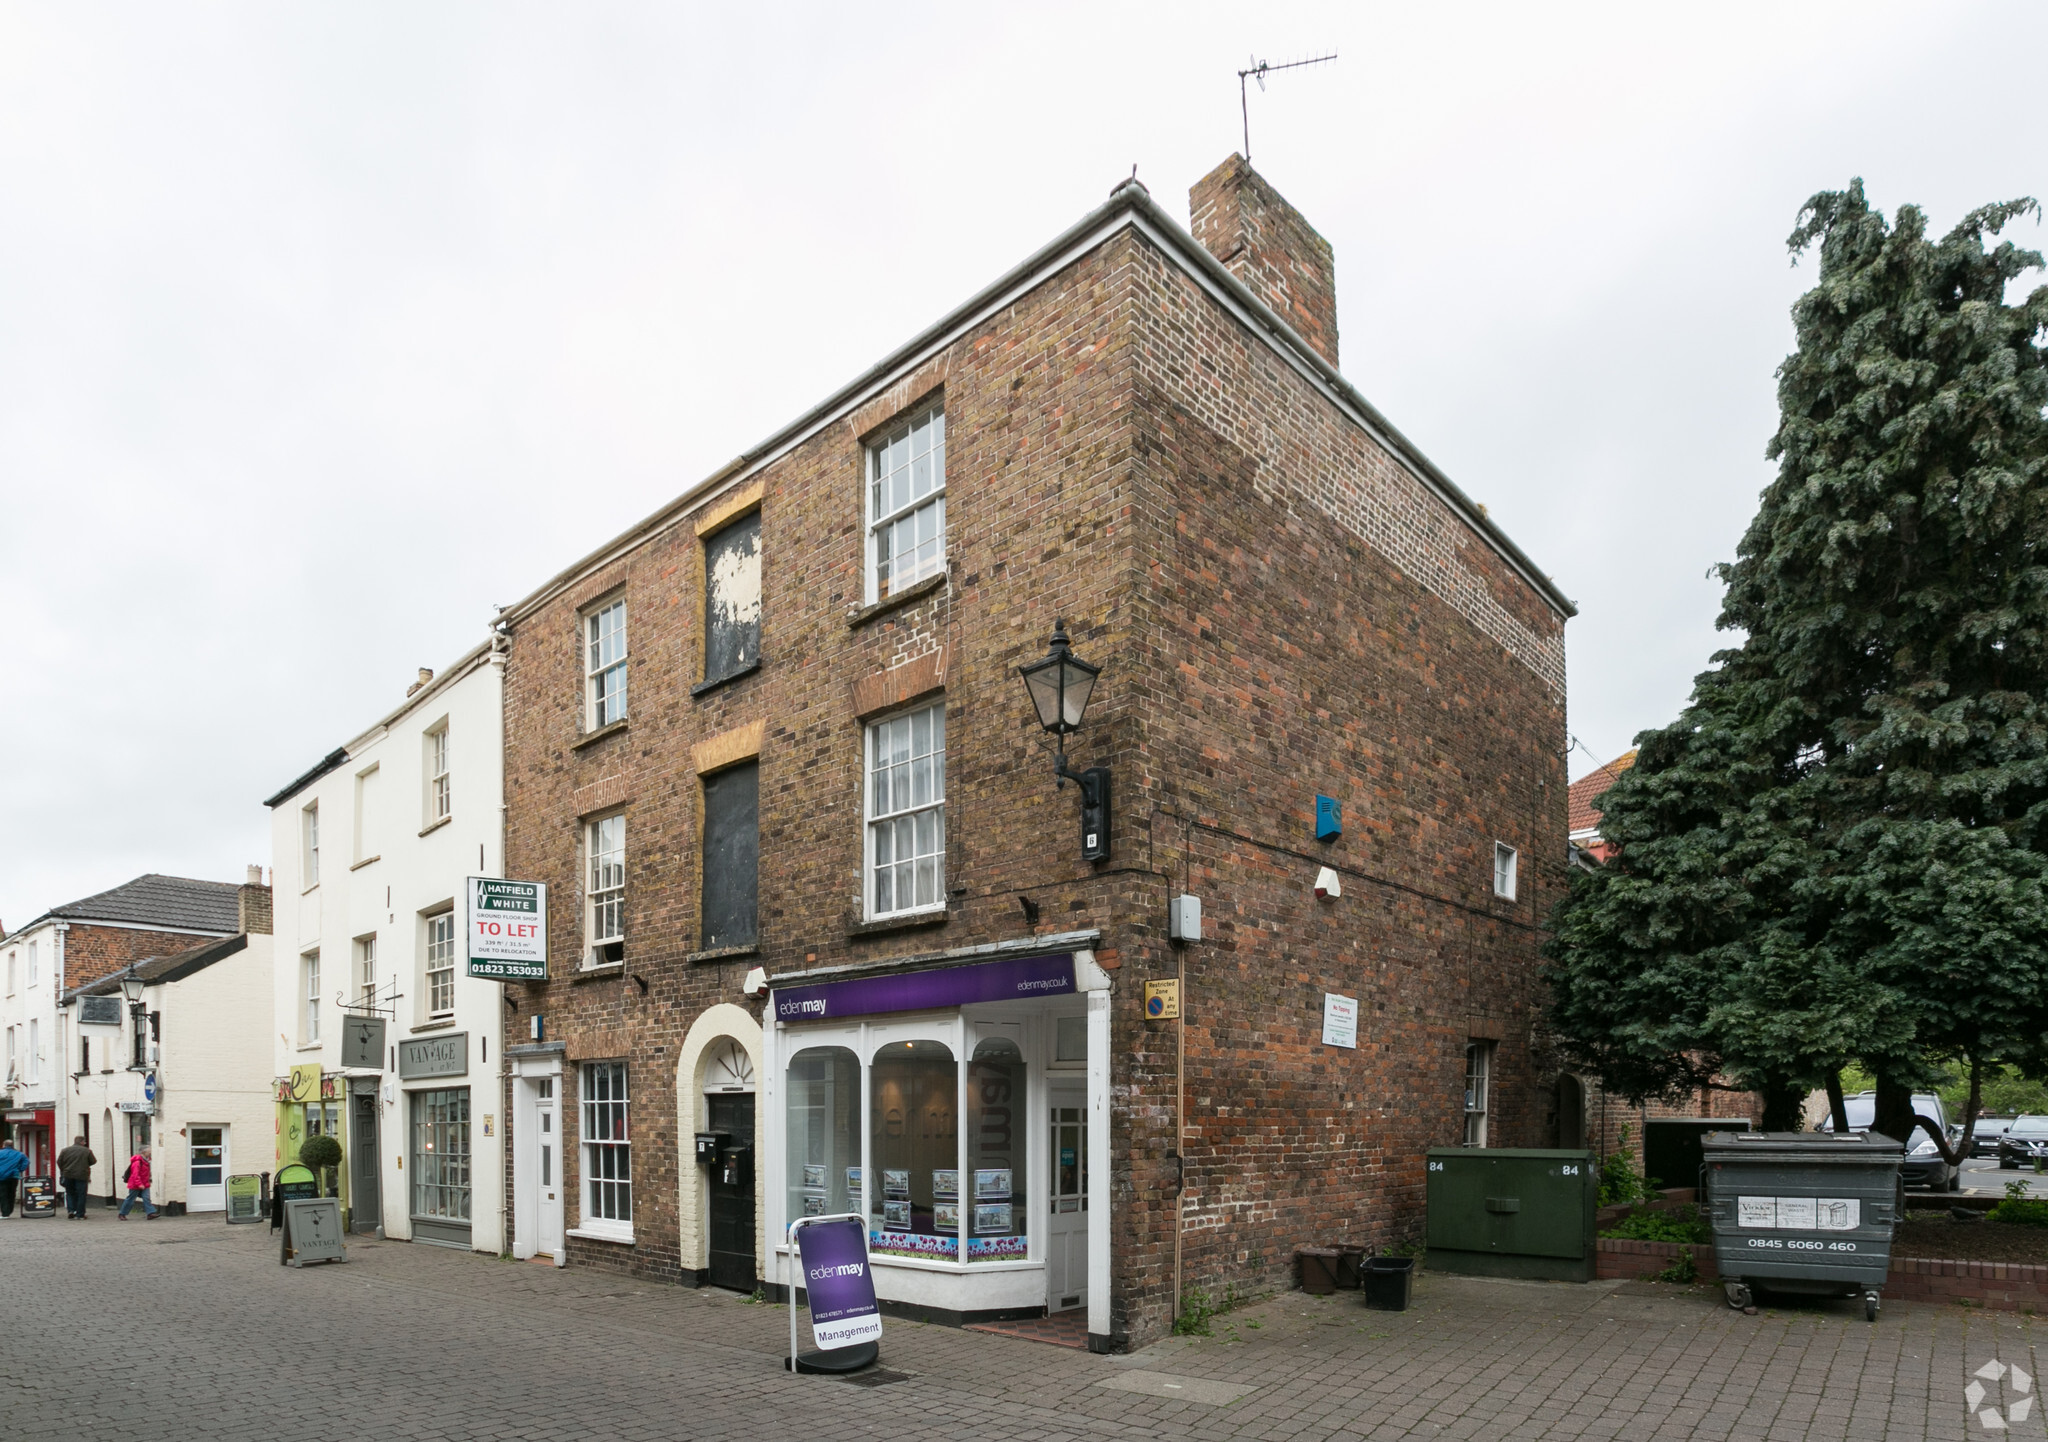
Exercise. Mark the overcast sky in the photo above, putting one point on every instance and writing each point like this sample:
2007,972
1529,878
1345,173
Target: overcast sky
325,329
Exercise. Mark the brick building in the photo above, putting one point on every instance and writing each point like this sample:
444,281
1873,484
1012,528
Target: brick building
823,935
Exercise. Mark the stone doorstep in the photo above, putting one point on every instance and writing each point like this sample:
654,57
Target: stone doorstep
2006,1286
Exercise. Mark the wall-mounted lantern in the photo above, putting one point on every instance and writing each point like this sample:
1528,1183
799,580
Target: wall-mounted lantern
1060,686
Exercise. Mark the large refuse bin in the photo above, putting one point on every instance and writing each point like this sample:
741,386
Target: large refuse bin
1512,1212
1803,1212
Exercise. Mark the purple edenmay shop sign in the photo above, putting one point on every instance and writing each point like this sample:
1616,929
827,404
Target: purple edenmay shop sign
836,1279
1019,980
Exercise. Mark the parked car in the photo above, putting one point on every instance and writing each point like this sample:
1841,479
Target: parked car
1989,1129
1924,1166
2025,1142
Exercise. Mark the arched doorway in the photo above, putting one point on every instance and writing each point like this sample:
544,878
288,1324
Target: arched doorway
729,1116
1571,1112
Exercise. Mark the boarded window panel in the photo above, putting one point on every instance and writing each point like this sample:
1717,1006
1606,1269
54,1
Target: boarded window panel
732,855
732,599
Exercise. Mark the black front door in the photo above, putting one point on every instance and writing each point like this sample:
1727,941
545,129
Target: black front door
365,1190
732,1194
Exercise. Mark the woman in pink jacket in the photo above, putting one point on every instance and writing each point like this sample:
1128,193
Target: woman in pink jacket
137,1182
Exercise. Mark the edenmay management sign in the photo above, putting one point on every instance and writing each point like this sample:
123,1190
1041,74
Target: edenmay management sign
508,929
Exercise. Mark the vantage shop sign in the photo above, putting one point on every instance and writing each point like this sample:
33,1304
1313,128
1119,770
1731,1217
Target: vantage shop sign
508,929
1023,979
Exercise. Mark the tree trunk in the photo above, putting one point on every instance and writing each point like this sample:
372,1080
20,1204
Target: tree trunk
1894,1111
1838,1105
1783,1102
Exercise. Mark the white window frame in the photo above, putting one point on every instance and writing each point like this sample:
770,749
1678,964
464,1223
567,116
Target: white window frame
883,514
888,819
1478,1091
34,965
439,800
604,890
1507,865
604,702
35,1052
366,966
309,991
309,846
9,1075
365,833
10,973
592,1115
439,951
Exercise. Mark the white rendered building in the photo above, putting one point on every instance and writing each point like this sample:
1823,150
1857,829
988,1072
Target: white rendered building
372,852
184,1069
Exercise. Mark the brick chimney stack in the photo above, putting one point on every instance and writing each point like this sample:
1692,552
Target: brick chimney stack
1267,244
254,905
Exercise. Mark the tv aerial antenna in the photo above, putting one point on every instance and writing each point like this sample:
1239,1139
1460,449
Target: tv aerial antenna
1259,70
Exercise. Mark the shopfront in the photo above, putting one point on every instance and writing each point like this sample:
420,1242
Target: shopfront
437,1116
35,1133
958,1108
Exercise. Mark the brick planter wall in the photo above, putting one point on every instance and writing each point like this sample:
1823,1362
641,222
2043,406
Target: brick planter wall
2001,1286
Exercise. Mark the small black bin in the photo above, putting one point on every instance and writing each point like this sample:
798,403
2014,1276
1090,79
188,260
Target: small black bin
1387,1282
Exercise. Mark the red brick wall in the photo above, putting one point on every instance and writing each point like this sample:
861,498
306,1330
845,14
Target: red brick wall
1244,565
91,952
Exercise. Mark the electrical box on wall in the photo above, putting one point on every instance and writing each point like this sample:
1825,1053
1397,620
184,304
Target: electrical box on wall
1095,814
1329,818
1184,918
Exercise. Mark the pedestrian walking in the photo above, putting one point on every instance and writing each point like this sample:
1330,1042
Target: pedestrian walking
12,1165
137,1182
74,1169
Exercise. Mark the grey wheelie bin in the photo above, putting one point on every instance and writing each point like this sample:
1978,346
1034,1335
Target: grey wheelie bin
1803,1212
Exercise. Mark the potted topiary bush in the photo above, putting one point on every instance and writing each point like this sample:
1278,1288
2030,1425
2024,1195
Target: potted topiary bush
323,1155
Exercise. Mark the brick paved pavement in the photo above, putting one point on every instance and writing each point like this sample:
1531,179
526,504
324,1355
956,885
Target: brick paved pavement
184,1328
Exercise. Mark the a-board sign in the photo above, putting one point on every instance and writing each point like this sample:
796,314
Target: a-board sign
245,1199
296,1182
837,1283
38,1196
312,1231
362,1042
508,929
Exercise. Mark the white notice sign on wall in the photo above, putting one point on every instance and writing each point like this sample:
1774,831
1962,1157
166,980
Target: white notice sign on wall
1340,1020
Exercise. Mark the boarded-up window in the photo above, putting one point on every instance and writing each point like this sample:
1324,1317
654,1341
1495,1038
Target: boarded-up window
732,599
732,855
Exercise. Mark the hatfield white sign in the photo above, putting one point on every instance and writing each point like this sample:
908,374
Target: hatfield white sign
508,929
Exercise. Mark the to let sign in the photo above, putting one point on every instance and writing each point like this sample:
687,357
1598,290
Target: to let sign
434,1055
508,929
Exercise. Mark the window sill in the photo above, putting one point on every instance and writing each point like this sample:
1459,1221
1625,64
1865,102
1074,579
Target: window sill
724,953
433,826
613,969
366,861
911,922
439,1024
624,1238
303,1046
917,591
593,737
309,890
705,687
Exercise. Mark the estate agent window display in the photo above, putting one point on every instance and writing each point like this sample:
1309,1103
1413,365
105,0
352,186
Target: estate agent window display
872,1118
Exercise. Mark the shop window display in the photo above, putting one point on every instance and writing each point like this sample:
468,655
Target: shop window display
914,1192
824,1132
997,1210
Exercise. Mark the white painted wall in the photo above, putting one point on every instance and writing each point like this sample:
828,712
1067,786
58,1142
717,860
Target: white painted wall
213,1069
383,869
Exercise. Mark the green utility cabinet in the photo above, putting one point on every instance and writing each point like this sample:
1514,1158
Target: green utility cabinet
1512,1212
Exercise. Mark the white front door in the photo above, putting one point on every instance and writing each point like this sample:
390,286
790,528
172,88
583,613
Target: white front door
1066,1199
547,1165
206,1185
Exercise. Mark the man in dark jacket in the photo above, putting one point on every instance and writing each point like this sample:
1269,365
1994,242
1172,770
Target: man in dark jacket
74,1169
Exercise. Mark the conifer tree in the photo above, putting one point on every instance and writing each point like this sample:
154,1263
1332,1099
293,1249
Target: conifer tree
1839,852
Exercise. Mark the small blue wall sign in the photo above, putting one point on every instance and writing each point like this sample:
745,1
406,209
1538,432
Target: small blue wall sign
1329,818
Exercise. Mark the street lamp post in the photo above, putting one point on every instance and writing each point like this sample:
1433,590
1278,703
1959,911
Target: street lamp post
1060,687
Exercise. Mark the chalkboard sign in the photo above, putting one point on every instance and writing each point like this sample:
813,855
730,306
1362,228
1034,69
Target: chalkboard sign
38,1197
294,1183
245,1198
